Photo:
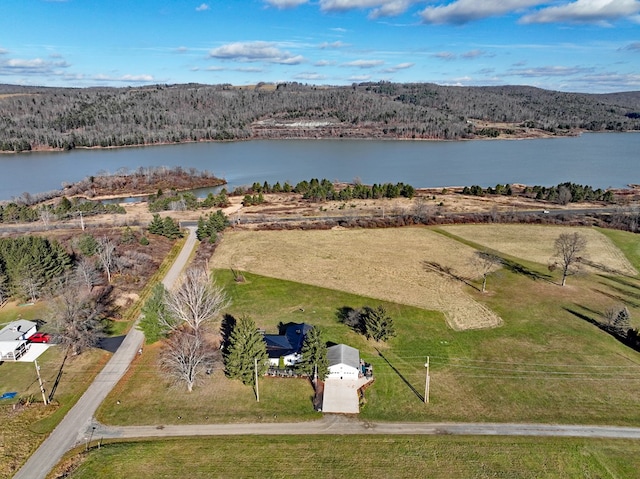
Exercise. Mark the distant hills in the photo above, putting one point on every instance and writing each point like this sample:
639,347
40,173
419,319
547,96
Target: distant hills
38,118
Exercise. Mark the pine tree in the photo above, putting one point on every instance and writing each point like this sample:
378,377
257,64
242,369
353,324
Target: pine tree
246,345
153,311
314,355
376,323
156,226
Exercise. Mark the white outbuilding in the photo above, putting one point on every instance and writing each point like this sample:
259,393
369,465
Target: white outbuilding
344,362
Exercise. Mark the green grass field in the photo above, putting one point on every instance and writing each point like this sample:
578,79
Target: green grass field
546,363
364,456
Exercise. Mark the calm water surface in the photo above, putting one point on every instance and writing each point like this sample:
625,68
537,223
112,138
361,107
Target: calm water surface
597,159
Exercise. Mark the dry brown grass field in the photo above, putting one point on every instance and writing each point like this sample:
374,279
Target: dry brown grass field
536,243
386,264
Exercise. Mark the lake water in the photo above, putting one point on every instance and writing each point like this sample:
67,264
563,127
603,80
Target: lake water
598,159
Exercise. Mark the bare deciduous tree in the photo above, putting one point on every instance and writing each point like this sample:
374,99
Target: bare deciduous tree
186,356
76,315
87,273
485,262
568,247
196,301
106,254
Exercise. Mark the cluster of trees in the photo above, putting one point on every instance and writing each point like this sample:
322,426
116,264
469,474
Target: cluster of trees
562,193
64,118
186,201
166,227
374,323
568,192
476,190
15,212
210,225
28,264
324,189
184,318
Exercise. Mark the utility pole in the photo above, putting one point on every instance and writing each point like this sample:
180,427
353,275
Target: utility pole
44,395
255,363
426,383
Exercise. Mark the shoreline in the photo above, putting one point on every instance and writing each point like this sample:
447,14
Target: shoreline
540,135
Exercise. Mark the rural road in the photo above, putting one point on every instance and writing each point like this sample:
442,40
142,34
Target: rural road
71,430
338,424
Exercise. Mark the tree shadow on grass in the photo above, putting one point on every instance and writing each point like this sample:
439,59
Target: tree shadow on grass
447,272
617,334
619,298
518,268
59,376
409,385
622,281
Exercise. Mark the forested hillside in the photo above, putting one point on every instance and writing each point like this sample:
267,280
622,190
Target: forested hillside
64,118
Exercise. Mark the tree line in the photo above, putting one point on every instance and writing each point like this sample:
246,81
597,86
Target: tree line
563,193
66,118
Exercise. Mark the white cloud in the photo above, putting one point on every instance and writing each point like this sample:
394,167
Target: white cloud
34,66
3,51
124,78
255,52
379,8
585,11
181,50
399,66
282,4
471,54
337,44
364,63
464,11
359,78
445,55
203,7
309,76
549,71
634,47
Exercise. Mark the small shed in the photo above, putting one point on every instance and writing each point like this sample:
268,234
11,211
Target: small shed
344,362
14,339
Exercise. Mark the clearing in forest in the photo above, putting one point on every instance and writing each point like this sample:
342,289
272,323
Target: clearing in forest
387,264
536,243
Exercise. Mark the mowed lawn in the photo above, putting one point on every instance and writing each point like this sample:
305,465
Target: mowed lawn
24,427
547,362
329,456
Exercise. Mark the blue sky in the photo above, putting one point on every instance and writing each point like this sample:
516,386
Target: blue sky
569,45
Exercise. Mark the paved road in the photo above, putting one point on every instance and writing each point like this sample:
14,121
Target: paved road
72,430
339,424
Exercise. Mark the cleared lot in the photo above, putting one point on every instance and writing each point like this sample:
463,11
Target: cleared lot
536,243
387,264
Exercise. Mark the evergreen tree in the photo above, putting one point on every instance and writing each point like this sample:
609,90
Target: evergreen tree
376,323
246,345
314,355
153,312
156,226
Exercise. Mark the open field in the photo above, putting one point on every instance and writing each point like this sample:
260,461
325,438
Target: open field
546,363
536,243
364,456
386,264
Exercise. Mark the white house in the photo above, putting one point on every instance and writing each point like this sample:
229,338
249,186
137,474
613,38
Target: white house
13,339
344,362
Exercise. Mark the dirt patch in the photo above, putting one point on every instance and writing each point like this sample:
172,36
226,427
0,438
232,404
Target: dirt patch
387,264
536,243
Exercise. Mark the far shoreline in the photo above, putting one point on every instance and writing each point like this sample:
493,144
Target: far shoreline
539,135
